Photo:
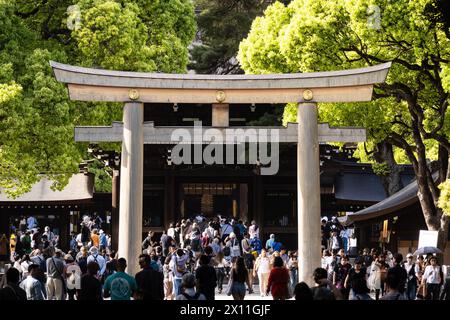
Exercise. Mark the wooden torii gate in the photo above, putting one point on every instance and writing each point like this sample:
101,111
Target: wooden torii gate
136,88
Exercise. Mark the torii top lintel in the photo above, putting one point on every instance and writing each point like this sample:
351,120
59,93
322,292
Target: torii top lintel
88,84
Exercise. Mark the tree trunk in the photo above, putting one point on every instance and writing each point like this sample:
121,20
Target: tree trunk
392,182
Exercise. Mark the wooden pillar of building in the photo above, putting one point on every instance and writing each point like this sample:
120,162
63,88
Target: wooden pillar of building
4,222
258,205
115,210
243,202
64,236
169,200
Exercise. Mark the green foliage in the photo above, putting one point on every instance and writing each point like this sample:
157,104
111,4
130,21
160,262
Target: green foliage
308,36
444,198
222,25
381,169
103,179
36,117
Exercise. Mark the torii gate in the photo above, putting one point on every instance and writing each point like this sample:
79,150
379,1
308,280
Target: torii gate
136,88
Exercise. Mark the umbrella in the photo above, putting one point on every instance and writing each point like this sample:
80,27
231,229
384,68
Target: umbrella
426,250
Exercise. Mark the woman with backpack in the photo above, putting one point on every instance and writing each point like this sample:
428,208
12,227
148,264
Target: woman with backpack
73,276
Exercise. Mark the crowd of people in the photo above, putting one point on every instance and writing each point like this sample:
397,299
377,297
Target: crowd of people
197,258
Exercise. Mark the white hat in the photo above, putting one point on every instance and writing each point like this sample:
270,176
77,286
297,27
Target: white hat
101,231
409,255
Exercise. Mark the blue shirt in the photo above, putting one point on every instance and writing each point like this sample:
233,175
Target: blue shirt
103,241
31,223
276,246
256,244
269,243
120,285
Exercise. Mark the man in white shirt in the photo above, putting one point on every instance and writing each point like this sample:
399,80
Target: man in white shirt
433,279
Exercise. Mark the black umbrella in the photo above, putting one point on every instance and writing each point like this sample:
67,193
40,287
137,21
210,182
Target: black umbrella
426,250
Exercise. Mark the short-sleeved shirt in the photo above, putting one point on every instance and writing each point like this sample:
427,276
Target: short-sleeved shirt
341,272
91,288
120,285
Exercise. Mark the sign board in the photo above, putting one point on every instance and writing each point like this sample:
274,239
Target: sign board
428,238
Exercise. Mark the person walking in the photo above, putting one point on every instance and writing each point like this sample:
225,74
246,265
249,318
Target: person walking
249,260
270,242
238,278
99,259
262,268
56,287
393,280
188,289
278,280
432,277
12,291
178,267
360,290
353,278
340,273
120,285
253,230
206,278
324,289
411,284
150,283
73,275
400,271
220,265
32,285
91,288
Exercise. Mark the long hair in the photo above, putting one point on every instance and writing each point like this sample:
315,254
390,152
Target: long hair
239,270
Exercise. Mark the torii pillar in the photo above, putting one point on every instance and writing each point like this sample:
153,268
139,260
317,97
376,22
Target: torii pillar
135,88
308,192
131,185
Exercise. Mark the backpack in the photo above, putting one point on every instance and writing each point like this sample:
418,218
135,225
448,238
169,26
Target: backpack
181,268
194,297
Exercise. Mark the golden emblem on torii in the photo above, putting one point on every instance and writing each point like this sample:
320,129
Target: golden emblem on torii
220,96
133,94
308,95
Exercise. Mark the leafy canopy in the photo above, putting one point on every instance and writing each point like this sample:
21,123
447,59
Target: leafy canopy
36,117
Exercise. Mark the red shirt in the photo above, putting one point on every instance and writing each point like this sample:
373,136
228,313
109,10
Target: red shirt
278,282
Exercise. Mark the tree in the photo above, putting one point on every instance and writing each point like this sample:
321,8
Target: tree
410,109
222,24
36,117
